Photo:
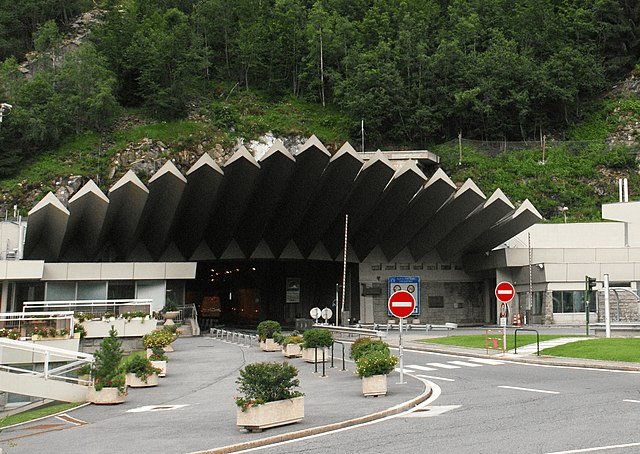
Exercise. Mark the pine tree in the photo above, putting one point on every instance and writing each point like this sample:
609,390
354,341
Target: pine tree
107,371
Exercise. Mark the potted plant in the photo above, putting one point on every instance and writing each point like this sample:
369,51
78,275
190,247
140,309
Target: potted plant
266,330
269,398
140,372
374,367
366,345
109,385
158,359
291,346
159,338
170,310
316,343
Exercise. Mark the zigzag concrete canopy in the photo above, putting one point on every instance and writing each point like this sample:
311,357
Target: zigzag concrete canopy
283,207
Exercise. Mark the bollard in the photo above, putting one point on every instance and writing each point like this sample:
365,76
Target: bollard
323,362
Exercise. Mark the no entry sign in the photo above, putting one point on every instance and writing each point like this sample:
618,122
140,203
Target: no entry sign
402,304
505,291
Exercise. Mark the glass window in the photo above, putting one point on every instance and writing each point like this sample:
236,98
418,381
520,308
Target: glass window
572,301
92,290
121,290
61,291
538,303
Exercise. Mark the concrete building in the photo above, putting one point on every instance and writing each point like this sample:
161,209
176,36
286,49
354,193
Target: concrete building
264,239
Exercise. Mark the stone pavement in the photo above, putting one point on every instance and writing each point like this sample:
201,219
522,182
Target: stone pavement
192,410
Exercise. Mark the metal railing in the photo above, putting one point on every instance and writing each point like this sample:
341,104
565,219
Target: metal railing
95,307
18,353
187,312
515,339
234,337
23,321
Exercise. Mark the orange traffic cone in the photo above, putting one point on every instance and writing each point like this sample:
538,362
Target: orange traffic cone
518,322
515,320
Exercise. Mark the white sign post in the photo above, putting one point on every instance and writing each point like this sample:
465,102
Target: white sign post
401,305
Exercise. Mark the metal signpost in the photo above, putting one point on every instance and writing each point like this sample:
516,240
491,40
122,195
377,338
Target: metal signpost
401,305
505,291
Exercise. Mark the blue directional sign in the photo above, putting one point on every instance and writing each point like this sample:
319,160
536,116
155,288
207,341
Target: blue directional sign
409,284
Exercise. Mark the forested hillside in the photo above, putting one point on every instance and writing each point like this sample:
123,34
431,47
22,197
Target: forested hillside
417,72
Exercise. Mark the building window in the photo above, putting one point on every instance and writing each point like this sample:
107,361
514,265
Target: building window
436,301
91,290
565,302
376,267
432,266
417,266
405,266
121,290
390,266
445,266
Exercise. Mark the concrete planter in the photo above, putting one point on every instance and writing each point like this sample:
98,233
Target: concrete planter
292,351
269,345
162,365
376,385
106,396
271,414
135,382
309,355
135,327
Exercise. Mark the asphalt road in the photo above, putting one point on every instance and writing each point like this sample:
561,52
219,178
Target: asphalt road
503,407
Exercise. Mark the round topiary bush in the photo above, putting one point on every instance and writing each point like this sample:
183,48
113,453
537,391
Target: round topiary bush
366,345
317,338
268,328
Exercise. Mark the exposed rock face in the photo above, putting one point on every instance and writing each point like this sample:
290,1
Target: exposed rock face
628,133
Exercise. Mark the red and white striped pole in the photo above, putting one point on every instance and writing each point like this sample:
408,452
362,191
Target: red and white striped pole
344,266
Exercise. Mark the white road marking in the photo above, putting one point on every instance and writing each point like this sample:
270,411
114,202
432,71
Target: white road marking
428,412
435,378
155,408
404,370
529,389
632,401
491,362
599,448
424,368
443,365
465,364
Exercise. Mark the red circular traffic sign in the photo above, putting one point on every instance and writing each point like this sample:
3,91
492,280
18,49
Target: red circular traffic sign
505,291
402,304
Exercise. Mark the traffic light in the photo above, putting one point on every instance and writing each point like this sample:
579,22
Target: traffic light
591,283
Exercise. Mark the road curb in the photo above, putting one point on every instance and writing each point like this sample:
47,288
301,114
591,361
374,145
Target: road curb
326,428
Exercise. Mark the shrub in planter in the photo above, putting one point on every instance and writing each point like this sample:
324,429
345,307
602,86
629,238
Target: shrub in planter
317,338
365,345
293,339
264,382
375,363
106,371
266,329
157,354
141,367
159,338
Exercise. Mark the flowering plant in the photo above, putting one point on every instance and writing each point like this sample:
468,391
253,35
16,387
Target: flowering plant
157,354
11,334
244,404
78,328
159,338
375,363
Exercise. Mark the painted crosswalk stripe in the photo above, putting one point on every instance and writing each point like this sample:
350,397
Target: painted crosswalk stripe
443,365
424,368
465,364
491,362
430,377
